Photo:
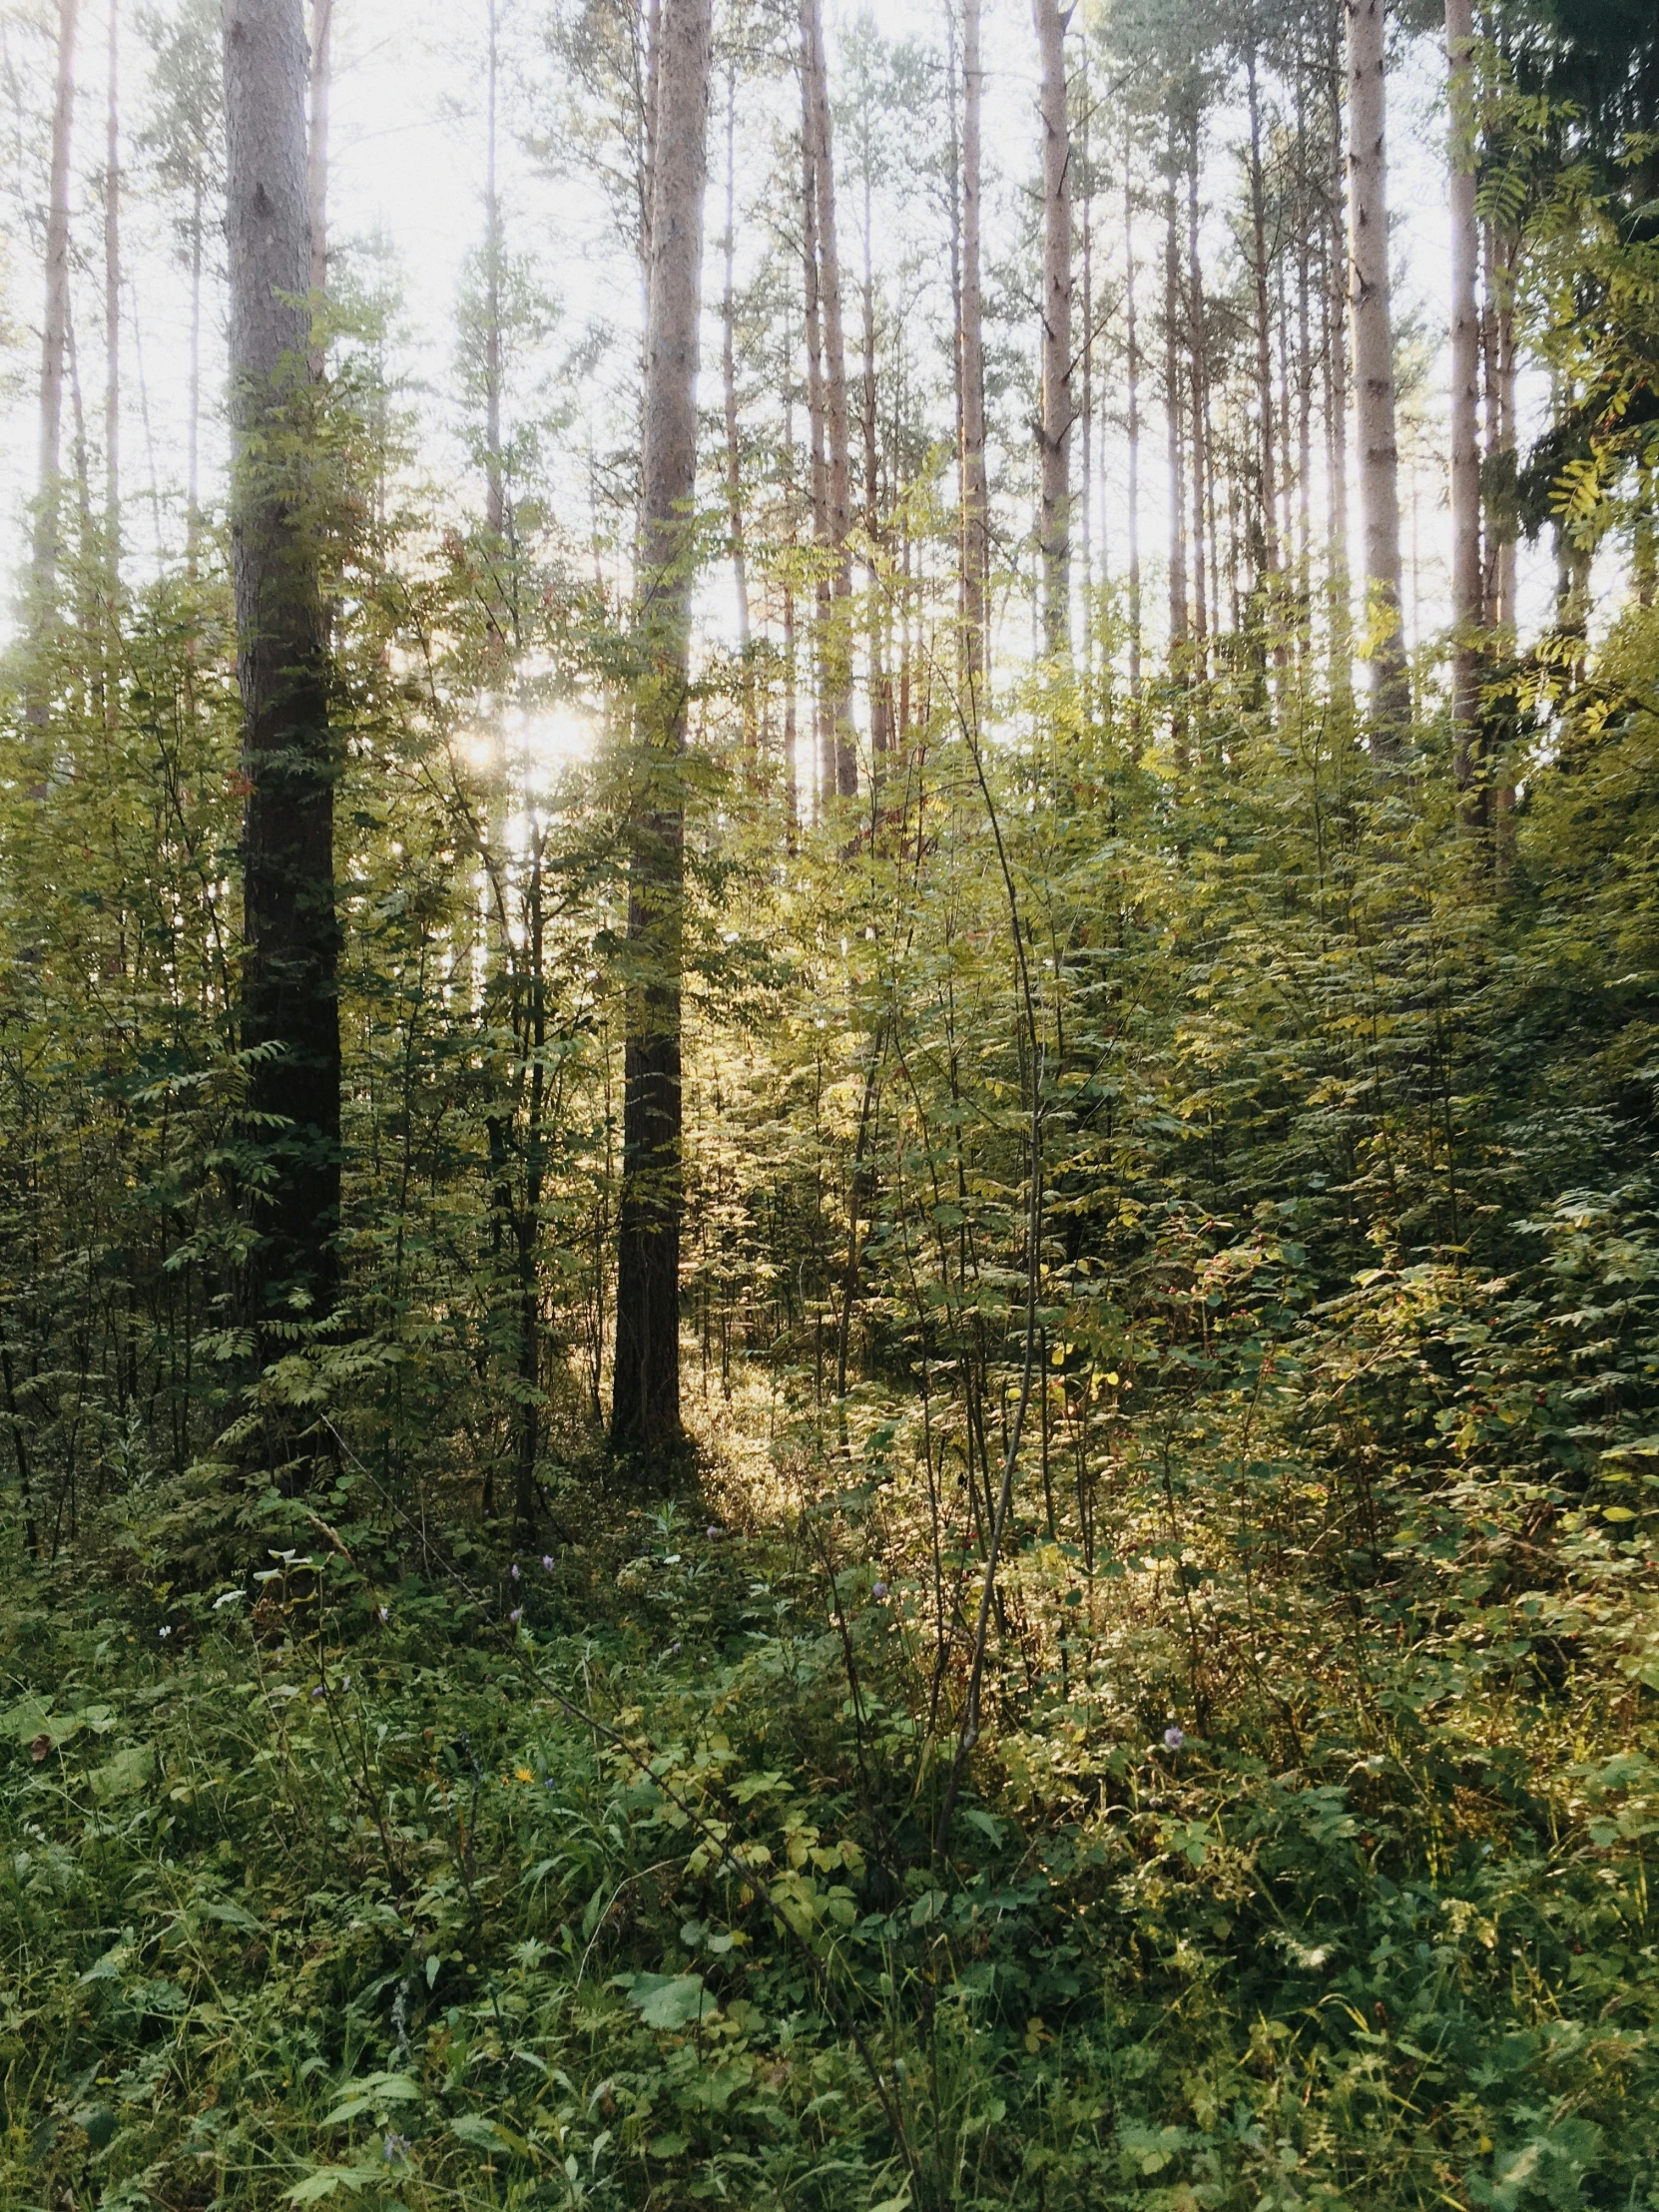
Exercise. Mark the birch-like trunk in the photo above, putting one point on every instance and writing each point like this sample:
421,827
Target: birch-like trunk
290,1007
54,351
1374,372
837,653
645,1403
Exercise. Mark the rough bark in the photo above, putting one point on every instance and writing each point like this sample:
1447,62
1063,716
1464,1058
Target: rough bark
975,545
1466,578
1054,428
645,1404
290,1007
1391,700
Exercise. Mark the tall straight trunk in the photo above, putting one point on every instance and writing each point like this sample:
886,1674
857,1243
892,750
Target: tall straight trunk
823,728
880,688
1133,376
975,494
1263,342
289,1005
1390,698
1180,672
653,35
1054,432
1334,307
112,308
55,324
193,436
645,1404
838,661
1198,347
495,478
729,386
1468,609
321,86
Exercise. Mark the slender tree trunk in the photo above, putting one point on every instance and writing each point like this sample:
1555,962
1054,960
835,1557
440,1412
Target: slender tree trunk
1198,349
1337,560
192,462
1133,376
823,728
111,309
734,449
1390,698
1263,348
1054,430
644,1406
975,548
290,1007
55,326
881,688
1180,672
1468,609
495,478
1086,516
816,88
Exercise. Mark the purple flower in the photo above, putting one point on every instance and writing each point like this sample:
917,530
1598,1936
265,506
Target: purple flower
318,1691
714,1529
516,1615
674,1649
547,1562
1175,1738
515,1570
396,2148
879,1590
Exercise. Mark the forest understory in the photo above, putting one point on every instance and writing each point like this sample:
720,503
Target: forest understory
830,1302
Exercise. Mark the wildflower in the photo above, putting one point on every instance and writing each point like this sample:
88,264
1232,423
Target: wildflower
396,2148
384,1612
318,1691
516,1615
878,1590
674,1649
547,1562
1175,1738
164,1633
713,1530
514,1570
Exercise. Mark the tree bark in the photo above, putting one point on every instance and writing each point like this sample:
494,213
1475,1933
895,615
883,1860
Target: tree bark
1467,596
1133,378
823,728
645,1404
317,170
975,545
1268,562
729,381
112,319
1179,668
1390,699
54,326
1054,429
290,1007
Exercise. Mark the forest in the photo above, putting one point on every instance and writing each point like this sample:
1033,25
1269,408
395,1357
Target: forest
830,1105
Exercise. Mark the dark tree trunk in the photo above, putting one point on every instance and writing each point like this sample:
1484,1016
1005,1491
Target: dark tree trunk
644,1405
290,1008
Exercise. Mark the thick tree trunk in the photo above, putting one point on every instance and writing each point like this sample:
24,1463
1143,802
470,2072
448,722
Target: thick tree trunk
1466,578
290,1008
1390,698
975,545
644,1405
54,326
1054,429
838,657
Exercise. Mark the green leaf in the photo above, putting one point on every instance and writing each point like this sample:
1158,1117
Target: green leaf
667,2001
327,2179
124,1775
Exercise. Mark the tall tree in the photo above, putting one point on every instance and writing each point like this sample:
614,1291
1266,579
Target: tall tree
1373,368
112,308
54,349
1468,594
290,1008
322,90
975,497
645,1407
837,650
1054,429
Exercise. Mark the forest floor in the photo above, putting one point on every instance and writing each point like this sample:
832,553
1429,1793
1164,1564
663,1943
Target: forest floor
421,1876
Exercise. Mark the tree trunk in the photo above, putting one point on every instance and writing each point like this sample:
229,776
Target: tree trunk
839,654
321,84
1390,699
1334,307
729,381
54,326
495,478
112,315
1197,345
645,1404
1133,377
1466,578
1268,563
290,1007
1179,669
975,545
823,729
1054,430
